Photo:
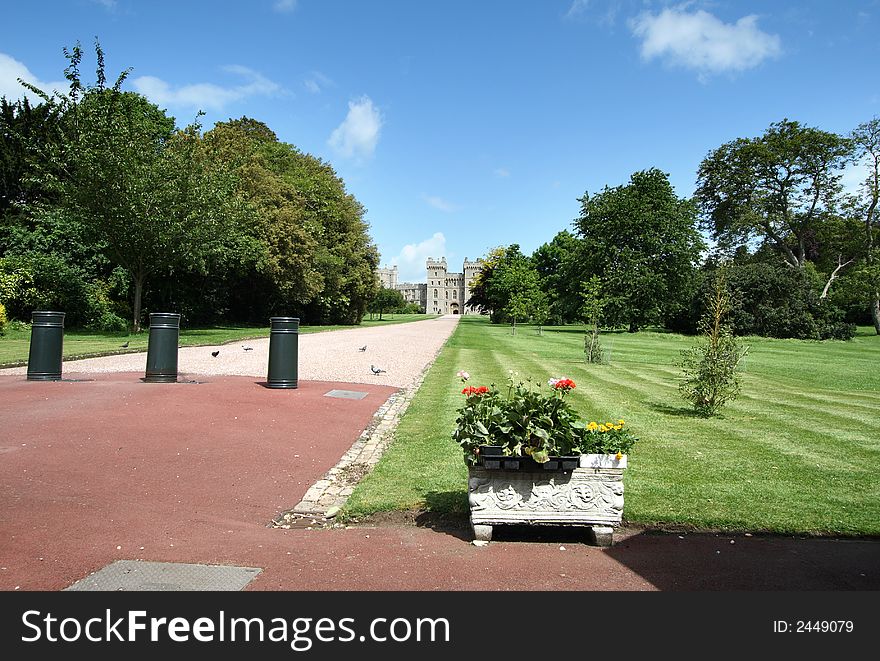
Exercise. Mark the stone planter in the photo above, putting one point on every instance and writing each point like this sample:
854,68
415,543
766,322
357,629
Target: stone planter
589,496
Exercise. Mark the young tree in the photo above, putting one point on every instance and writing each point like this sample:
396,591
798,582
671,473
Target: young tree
591,314
776,188
709,369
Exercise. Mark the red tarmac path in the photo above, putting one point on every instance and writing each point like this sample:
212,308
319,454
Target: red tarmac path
112,468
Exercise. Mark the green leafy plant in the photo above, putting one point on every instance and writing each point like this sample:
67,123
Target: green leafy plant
528,422
709,369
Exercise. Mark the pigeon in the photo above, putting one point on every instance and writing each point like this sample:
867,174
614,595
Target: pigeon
363,348
376,370
215,353
248,348
123,346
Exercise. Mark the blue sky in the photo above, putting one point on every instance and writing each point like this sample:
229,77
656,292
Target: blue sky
464,125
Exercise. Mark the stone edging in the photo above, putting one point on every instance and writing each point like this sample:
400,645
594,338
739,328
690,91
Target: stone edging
327,496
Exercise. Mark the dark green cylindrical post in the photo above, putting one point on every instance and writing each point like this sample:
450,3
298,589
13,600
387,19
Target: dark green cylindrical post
283,352
47,341
162,347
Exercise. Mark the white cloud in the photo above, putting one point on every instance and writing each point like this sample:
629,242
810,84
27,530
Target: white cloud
700,41
411,260
316,82
577,8
107,4
206,96
502,173
11,70
285,6
440,203
358,134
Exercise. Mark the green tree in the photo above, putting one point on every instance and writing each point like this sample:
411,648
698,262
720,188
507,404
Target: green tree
386,300
559,280
591,310
134,182
709,378
480,292
777,188
866,138
642,243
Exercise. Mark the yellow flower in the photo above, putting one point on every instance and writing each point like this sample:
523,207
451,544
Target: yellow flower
592,426
603,428
618,427
610,425
618,456
621,422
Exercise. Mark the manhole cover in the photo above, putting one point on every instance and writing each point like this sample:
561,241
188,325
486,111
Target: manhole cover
134,575
346,394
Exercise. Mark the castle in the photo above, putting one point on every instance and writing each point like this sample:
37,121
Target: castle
443,293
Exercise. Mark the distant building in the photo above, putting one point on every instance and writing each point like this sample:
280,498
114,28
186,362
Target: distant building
443,293
388,277
448,292
414,292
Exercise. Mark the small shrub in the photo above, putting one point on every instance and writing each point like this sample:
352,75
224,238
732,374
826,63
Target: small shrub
108,322
3,320
709,369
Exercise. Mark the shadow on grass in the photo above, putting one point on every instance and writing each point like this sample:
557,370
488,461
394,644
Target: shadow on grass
447,512
677,411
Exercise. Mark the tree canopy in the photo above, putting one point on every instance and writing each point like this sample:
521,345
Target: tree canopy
641,241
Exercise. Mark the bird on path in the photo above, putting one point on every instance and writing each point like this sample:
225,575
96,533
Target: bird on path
363,348
215,353
248,348
376,370
124,346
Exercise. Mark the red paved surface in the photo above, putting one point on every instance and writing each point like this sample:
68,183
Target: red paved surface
113,468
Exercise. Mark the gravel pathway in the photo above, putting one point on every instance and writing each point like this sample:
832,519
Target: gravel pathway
404,351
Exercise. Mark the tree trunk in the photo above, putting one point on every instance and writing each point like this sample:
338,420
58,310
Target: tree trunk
136,306
514,325
875,312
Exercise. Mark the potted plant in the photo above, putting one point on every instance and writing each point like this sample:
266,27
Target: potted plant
532,459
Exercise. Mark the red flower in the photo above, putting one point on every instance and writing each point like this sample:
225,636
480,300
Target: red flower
564,384
475,390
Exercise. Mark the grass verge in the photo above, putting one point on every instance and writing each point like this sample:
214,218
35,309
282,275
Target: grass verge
797,453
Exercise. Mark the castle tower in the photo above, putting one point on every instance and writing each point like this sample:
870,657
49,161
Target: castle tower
437,292
471,269
448,292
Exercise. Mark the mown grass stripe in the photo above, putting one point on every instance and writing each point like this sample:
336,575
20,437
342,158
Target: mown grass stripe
796,453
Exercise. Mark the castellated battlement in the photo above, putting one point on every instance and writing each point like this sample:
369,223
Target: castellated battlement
448,292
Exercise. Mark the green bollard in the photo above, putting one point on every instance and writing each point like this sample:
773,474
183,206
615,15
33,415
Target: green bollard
283,352
162,347
47,340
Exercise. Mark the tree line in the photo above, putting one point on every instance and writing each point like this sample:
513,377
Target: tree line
108,210
800,253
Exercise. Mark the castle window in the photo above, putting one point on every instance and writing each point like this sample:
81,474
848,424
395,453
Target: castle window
454,294
435,293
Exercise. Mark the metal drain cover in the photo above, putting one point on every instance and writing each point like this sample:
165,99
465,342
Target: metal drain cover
134,575
346,394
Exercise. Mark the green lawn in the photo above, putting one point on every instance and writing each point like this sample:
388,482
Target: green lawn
797,452
81,344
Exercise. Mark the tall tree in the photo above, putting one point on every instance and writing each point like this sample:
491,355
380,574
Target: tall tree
866,138
642,242
553,263
133,181
776,188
